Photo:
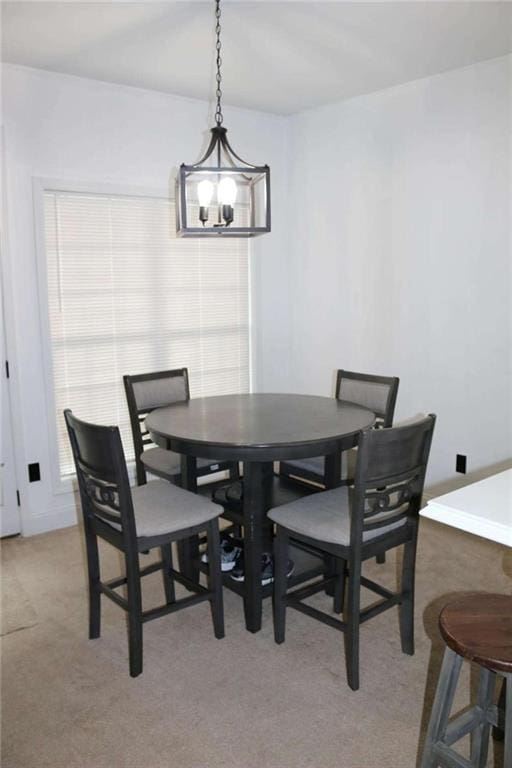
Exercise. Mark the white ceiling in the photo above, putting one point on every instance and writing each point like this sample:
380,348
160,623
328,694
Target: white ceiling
280,57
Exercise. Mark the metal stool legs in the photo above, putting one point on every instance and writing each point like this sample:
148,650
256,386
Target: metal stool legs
507,753
442,733
443,701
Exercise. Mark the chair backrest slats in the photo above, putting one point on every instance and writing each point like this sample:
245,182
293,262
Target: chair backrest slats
377,393
390,475
101,473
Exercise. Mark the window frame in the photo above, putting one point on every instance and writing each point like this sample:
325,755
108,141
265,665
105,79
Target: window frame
65,484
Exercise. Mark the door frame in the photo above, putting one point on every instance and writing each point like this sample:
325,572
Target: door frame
8,344
10,518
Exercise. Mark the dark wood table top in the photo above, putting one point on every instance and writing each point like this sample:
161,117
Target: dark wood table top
259,427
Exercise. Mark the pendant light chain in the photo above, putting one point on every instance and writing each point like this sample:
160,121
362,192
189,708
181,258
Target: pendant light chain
218,111
222,194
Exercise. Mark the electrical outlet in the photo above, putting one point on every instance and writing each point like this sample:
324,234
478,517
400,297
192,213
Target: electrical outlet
460,463
34,472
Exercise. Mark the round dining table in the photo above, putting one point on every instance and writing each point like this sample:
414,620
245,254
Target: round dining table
257,430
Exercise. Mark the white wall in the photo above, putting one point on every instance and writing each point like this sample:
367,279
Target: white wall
400,259
69,128
390,249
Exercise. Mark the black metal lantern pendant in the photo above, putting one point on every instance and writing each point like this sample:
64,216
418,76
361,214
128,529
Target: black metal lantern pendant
222,194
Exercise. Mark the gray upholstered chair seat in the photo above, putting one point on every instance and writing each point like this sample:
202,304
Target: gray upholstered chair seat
324,516
167,463
161,462
161,508
316,465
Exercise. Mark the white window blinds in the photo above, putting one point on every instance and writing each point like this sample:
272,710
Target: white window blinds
126,296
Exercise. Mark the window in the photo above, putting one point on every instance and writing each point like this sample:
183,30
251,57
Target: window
125,295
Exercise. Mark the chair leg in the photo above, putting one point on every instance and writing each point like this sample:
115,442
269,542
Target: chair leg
279,593
170,594
480,736
283,472
188,553
329,571
352,621
93,569
215,577
339,585
381,557
406,610
507,752
442,706
134,614
141,471
497,733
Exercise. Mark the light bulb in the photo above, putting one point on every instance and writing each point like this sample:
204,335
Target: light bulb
205,193
227,191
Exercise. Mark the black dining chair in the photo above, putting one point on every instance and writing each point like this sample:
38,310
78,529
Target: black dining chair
378,394
134,521
144,393
351,525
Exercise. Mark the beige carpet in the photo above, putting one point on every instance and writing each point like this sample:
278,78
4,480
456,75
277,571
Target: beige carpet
17,611
240,702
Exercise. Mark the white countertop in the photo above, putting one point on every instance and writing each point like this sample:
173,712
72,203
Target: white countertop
483,508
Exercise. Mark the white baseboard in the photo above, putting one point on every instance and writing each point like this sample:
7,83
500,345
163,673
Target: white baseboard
62,517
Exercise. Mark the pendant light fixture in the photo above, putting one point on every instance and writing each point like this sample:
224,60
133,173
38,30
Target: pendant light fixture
222,195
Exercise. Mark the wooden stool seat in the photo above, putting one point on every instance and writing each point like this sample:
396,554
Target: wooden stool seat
478,627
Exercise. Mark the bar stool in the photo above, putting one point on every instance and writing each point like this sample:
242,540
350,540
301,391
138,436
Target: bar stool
477,627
